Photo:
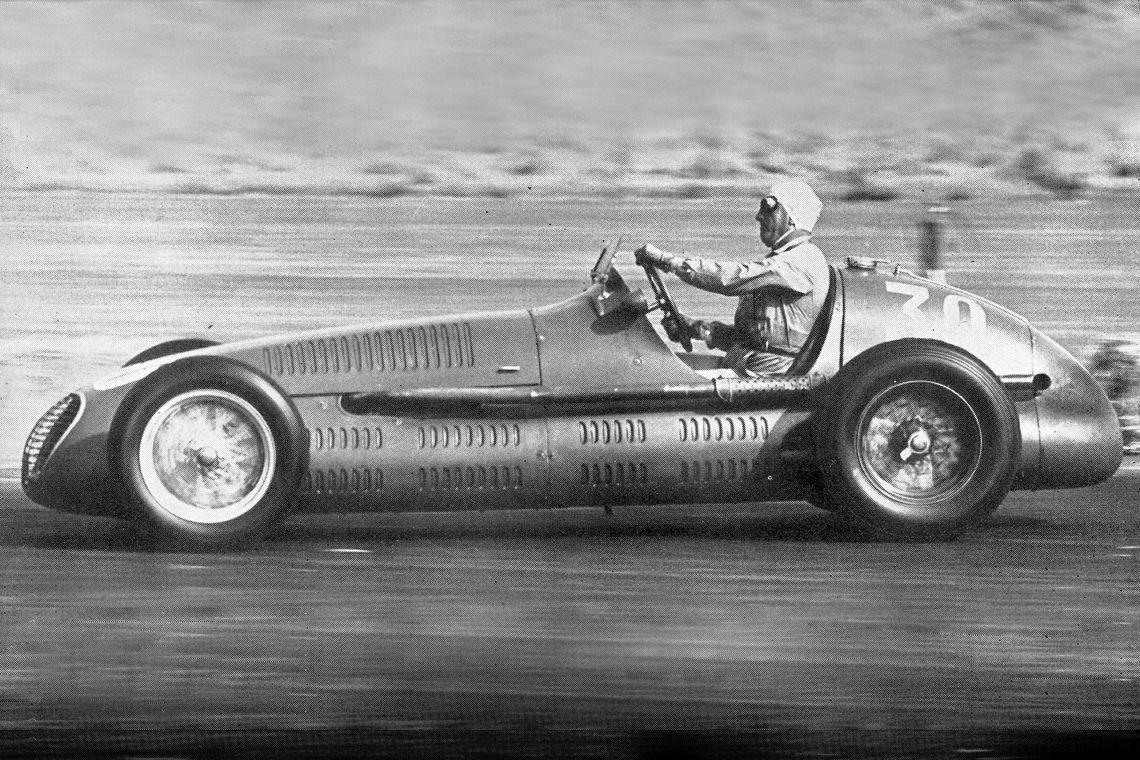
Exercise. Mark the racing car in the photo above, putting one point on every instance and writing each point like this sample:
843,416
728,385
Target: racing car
912,411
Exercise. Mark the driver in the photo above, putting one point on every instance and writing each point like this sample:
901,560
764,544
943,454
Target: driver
780,295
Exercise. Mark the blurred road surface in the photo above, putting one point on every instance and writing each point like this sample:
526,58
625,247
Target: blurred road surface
655,632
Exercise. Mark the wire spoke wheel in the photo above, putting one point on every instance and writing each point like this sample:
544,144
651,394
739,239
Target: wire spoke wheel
210,452
207,456
916,440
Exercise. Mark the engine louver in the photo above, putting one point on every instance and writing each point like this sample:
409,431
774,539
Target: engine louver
429,347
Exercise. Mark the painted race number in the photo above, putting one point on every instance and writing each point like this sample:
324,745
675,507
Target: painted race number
958,312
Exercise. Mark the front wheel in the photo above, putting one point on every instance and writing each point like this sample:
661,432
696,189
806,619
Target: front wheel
210,452
917,441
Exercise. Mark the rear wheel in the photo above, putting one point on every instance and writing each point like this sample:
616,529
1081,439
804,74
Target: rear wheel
210,452
917,441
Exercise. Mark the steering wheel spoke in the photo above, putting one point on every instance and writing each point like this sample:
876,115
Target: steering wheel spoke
666,304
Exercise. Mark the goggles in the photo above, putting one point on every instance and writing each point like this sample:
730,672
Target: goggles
768,205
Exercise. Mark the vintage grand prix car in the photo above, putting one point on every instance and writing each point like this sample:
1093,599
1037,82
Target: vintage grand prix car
913,410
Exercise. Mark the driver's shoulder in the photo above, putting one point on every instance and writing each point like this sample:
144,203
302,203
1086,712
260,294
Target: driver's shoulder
806,255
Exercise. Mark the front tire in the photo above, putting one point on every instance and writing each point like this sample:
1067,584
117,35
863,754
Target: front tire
917,441
210,452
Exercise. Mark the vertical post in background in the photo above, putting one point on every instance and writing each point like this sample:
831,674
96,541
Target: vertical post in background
930,235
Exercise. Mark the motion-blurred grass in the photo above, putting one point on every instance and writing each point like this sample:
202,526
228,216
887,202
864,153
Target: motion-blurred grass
948,99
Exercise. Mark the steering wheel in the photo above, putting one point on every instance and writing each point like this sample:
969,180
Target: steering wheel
666,304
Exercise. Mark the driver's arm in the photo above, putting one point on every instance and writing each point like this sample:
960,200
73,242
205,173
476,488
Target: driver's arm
737,278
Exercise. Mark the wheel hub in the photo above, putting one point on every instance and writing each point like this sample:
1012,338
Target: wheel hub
919,442
916,439
207,456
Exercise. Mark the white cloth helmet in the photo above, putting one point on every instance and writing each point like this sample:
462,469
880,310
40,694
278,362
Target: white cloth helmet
799,200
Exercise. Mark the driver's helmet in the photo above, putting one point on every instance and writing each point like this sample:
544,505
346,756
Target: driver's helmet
1116,366
799,200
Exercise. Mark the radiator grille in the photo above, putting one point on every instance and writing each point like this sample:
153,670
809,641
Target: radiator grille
47,434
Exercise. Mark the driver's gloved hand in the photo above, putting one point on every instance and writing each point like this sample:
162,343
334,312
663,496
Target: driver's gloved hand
653,256
681,327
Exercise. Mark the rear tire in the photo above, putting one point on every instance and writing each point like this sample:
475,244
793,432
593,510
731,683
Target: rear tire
210,452
917,441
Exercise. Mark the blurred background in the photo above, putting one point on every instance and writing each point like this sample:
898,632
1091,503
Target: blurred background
951,98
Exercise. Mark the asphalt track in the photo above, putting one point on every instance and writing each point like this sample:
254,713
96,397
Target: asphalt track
682,631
